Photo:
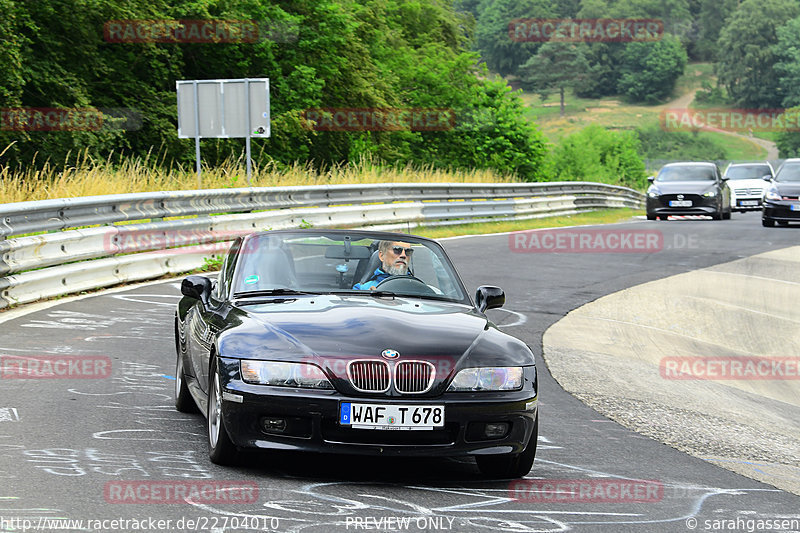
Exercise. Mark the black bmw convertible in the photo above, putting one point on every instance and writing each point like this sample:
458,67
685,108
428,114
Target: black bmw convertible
353,342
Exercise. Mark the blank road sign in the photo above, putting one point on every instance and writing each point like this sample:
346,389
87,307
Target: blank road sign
224,108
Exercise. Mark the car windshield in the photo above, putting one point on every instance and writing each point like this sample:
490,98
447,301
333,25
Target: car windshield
686,173
748,172
319,262
788,173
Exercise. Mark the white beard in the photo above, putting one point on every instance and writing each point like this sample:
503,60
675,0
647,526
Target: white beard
400,270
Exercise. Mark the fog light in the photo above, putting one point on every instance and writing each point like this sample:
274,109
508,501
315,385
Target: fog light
495,430
273,425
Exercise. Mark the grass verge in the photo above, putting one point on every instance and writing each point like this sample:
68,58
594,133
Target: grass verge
86,177
604,216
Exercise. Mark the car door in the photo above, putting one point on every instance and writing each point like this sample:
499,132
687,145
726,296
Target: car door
205,321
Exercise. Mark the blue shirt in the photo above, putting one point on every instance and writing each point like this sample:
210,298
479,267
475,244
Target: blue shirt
377,276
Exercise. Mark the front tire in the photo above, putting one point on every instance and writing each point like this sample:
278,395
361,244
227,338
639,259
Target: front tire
183,398
651,216
221,449
767,222
510,466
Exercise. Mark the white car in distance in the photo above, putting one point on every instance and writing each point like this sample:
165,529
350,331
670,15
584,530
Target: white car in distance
746,181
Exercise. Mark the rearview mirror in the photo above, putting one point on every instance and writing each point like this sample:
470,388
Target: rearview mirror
489,297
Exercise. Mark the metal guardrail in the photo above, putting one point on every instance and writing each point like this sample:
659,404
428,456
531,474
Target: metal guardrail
73,258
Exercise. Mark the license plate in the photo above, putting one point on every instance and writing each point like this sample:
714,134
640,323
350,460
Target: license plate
748,202
680,203
391,416
794,207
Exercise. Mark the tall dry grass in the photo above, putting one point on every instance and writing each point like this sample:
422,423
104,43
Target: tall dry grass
84,176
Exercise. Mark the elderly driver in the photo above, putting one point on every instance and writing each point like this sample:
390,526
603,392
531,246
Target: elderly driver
394,256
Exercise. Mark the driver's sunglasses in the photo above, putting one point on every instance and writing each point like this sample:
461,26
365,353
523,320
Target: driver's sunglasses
399,250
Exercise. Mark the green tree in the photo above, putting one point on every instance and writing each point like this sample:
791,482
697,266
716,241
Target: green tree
788,140
649,70
787,66
318,53
610,61
746,68
713,16
555,67
11,42
502,54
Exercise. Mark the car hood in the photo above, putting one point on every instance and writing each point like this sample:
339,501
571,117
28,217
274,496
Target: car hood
787,188
684,187
748,184
330,330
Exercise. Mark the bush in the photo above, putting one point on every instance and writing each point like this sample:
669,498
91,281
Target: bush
597,154
710,95
655,143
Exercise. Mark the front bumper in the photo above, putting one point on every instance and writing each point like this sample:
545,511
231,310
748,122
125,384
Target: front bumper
781,210
746,203
312,420
701,205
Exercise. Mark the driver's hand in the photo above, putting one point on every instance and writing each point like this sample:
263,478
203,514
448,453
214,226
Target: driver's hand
373,288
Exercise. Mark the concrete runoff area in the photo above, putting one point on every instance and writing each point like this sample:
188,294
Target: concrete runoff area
622,355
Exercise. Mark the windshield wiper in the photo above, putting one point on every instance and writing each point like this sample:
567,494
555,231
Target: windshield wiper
270,292
357,292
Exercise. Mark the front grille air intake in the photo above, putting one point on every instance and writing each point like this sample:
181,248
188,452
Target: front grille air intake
414,377
369,376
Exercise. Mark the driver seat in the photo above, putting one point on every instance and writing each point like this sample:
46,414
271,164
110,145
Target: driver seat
369,268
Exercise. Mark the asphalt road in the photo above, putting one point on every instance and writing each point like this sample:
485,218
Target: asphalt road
75,449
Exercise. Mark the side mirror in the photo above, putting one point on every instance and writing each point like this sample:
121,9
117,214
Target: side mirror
197,287
725,178
489,297
767,177
651,179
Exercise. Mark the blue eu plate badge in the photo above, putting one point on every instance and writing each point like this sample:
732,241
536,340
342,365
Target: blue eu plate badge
345,414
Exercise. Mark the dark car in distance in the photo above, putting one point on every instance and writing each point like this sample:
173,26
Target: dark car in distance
782,198
693,188
281,352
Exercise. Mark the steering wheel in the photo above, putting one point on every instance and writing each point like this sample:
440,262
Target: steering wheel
406,283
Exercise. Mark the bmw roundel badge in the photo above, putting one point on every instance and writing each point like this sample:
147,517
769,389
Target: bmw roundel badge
390,354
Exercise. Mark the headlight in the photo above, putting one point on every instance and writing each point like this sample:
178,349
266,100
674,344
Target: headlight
489,378
653,192
710,194
772,194
280,374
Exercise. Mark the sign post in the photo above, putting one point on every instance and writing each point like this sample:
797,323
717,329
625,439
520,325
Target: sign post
223,109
